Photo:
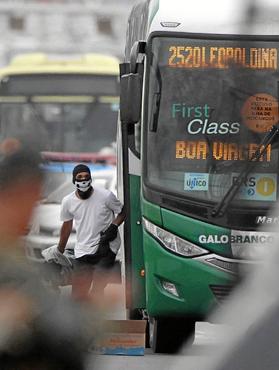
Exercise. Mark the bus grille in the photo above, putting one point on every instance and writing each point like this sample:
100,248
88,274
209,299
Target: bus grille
221,292
230,266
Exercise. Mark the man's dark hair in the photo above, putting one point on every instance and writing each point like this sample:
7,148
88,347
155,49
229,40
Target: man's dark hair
18,166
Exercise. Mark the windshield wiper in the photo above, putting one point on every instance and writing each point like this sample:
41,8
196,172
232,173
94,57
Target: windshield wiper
221,207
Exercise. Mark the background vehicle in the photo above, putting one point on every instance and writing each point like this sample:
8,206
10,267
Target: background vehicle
67,108
199,165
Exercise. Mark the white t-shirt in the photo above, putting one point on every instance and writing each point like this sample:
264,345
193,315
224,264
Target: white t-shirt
91,216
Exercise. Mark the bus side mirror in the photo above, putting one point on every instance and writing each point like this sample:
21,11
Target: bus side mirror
130,98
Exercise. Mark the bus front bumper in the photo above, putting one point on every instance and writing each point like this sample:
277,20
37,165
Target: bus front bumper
177,285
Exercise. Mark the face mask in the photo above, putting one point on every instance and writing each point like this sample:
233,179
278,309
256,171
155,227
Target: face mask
83,185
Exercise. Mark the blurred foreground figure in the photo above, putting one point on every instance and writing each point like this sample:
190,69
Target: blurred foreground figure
252,315
37,330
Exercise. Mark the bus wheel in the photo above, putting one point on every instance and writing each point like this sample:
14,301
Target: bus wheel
134,314
167,335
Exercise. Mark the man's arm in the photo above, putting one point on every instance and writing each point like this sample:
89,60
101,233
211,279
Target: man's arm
111,232
119,218
65,232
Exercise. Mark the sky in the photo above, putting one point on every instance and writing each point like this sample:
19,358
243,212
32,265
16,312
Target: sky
63,26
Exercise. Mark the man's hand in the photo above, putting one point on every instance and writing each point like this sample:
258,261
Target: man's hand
65,232
110,234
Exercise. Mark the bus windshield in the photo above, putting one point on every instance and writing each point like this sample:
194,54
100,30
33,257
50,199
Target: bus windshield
60,115
210,105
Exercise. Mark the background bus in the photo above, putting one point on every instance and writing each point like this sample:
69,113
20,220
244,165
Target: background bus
66,107
198,157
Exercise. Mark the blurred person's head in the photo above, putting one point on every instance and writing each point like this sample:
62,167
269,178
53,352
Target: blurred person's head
20,188
9,146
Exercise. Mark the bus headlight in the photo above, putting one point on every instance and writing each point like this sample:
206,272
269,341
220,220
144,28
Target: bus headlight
173,242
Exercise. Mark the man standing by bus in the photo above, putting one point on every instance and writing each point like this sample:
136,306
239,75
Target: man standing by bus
97,213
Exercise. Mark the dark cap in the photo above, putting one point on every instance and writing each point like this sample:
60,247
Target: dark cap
78,169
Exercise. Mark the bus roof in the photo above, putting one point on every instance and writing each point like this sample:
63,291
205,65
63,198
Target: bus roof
43,63
232,17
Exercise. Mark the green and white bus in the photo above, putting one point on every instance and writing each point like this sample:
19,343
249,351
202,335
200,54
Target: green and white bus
197,156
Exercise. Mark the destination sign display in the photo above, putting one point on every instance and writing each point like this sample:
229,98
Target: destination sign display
222,57
221,151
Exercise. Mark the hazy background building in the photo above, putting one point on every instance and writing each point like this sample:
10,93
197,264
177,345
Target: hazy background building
63,26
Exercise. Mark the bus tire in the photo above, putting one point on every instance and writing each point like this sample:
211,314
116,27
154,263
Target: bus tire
134,314
167,335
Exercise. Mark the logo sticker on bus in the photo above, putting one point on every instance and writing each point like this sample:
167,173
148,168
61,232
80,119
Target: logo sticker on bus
257,187
267,220
196,181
